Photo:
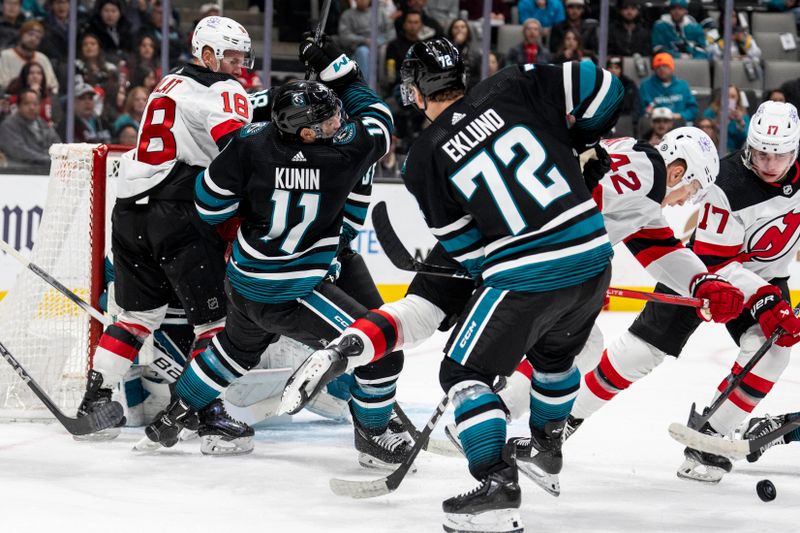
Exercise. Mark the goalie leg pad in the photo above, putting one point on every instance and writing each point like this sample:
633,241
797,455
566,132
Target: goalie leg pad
626,360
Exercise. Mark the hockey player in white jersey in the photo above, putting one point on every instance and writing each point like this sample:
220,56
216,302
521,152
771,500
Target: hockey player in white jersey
749,232
160,244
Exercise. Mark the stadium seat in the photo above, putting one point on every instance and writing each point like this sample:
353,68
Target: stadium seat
739,77
697,74
772,48
508,36
778,72
773,23
629,69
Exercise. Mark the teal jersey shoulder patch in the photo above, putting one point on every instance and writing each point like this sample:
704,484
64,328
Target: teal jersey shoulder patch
252,129
345,134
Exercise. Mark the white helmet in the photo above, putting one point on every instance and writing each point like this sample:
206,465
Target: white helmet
697,150
774,129
220,34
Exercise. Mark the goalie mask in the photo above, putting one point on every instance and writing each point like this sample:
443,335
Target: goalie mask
772,140
697,150
307,104
222,34
429,67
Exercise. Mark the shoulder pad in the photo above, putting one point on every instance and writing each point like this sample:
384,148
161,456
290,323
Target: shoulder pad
345,135
252,129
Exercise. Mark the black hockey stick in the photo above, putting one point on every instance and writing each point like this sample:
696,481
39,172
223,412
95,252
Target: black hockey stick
696,420
385,485
437,446
396,251
104,416
735,449
323,19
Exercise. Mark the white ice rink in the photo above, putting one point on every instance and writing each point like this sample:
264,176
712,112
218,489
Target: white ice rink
619,470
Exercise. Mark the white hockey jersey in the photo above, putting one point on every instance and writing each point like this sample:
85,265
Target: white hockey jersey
749,230
630,196
189,111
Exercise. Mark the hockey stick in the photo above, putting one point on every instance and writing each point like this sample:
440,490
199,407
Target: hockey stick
402,259
163,365
104,416
734,449
696,420
385,485
323,19
437,446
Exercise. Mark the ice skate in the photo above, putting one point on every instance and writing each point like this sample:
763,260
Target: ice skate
758,427
385,450
539,457
491,507
166,428
320,368
704,467
572,426
222,435
95,396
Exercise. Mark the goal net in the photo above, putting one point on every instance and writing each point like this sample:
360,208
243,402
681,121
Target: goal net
48,334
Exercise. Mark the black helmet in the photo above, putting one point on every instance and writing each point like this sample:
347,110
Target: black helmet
431,66
304,104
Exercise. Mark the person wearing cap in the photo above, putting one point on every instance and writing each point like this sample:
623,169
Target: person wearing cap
574,21
663,89
547,12
530,50
660,123
13,59
678,34
89,126
628,35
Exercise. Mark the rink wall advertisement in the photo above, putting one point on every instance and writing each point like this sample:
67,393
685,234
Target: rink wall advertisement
22,201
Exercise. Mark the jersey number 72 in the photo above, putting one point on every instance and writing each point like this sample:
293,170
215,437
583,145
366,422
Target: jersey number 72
543,187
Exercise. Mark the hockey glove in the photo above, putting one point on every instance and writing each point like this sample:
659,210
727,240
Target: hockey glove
595,162
725,302
772,312
329,61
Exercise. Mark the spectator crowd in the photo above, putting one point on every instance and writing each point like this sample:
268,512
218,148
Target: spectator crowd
119,48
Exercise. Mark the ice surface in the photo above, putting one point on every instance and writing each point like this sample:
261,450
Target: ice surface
619,469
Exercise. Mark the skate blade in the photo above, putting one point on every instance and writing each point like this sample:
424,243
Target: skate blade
146,445
99,436
499,521
187,434
368,461
695,471
216,445
548,482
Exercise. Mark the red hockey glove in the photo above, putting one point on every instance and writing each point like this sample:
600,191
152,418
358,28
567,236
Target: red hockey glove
228,229
773,312
725,302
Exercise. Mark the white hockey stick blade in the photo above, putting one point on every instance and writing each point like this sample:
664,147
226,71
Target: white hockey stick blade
146,445
360,489
733,449
443,447
257,386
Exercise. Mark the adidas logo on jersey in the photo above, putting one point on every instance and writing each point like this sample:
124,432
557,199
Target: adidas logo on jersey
299,157
457,118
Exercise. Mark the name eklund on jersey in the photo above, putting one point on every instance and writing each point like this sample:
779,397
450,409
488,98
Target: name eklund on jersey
297,178
472,134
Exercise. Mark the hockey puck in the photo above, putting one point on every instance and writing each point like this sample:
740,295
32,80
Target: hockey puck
766,490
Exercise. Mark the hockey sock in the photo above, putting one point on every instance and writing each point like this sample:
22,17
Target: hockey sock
601,385
481,425
741,401
552,396
202,341
118,347
793,435
208,375
372,401
378,330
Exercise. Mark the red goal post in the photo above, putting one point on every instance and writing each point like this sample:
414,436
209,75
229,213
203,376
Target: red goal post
47,333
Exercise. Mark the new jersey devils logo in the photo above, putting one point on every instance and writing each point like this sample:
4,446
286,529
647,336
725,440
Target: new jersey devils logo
775,238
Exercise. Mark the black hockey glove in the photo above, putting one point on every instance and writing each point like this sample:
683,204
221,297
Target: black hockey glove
329,62
596,163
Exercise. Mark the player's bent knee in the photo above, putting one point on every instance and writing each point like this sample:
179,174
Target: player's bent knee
632,357
214,327
417,318
451,373
150,320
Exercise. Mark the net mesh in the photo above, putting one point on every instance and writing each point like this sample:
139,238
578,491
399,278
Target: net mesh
46,332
